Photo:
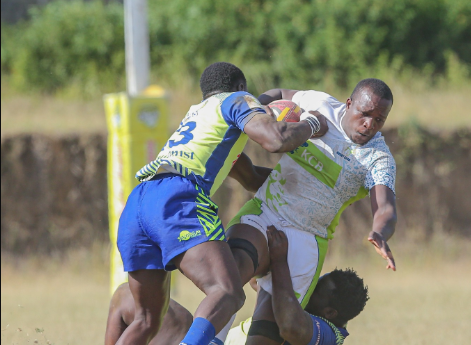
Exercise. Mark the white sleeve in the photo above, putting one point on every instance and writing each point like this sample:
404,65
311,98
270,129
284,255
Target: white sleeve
312,100
382,172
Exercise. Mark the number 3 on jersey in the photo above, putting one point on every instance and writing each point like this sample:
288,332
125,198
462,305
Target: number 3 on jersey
185,132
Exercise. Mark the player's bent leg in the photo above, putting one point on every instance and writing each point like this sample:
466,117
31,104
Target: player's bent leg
150,290
250,250
211,267
263,329
176,323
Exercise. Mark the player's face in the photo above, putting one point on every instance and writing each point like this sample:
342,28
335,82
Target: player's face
321,296
365,116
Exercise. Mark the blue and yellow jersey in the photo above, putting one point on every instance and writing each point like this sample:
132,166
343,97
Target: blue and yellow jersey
208,142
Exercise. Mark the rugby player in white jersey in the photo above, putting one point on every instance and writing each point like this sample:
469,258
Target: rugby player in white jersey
311,186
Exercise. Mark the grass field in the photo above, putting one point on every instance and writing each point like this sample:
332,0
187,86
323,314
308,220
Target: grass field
427,301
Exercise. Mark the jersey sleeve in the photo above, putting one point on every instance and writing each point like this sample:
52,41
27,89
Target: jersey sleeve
311,99
239,108
324,334
382,172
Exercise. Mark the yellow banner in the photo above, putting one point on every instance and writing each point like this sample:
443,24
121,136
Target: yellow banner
137,131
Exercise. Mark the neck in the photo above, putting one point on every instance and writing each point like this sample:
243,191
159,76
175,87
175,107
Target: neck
211,94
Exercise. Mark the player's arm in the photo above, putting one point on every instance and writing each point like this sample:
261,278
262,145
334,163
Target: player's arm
294,323
250,176
115,325
276,94
276,136
383,206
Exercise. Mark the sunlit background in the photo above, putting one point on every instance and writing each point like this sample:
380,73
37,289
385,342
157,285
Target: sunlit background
58,59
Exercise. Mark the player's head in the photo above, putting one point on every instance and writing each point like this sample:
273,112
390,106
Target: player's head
367,110
222,77
339,296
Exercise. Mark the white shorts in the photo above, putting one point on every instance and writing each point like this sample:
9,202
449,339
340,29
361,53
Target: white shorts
306,251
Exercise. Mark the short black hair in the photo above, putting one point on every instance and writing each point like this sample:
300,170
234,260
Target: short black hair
379,88
350,294
222,77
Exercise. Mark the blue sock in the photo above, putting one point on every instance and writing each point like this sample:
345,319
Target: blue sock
216,341
201,332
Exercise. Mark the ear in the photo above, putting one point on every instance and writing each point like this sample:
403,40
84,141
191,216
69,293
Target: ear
329,313
241,87
348,103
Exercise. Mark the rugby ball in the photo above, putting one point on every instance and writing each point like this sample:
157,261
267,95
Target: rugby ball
285,110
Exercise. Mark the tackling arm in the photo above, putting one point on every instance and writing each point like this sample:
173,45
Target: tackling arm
281,136
250,176
294,323
276,136
383,206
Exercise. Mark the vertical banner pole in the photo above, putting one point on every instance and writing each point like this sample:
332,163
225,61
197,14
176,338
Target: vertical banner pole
136,40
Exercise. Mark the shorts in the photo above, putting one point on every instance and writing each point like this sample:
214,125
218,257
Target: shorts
306,251
163,218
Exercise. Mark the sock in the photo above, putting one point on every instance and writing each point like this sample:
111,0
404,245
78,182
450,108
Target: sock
216,341
221,336
201,332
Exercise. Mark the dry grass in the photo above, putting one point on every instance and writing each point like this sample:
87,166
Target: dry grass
427,301
435,108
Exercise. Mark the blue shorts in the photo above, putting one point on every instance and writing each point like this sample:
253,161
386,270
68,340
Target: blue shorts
163,218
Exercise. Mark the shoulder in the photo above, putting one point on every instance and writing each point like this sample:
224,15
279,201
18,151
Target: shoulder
240,98
377,147
314,96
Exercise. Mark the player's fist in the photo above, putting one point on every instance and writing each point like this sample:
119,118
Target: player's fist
324,127
269,111
277,244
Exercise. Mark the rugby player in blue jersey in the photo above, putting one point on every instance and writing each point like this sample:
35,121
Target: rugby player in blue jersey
169,221
339,297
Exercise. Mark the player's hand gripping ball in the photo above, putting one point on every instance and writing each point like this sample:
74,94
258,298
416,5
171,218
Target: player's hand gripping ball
285,110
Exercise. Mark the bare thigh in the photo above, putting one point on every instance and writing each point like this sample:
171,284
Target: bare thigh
244,262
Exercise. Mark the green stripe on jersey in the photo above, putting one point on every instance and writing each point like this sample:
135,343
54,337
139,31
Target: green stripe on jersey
316,163
362,192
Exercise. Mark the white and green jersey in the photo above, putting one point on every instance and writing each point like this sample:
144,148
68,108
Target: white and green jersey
312,185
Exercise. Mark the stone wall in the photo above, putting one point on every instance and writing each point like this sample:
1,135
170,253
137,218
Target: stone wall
54,190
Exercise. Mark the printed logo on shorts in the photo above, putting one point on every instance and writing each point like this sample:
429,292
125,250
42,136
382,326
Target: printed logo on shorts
186,235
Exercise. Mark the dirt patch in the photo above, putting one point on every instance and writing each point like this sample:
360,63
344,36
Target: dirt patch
54,189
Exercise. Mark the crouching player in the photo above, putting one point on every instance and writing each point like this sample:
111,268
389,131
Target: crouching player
338,297
175,324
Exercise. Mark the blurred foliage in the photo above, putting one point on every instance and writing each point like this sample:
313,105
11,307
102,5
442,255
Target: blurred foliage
294,43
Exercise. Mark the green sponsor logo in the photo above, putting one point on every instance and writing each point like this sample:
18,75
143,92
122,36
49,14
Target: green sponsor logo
186,235
274,191
317,163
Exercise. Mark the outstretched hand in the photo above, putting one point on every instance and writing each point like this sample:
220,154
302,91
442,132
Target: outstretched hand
382,248
277,244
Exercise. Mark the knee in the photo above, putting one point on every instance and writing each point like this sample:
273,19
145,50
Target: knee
232,294
237,294
148,323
